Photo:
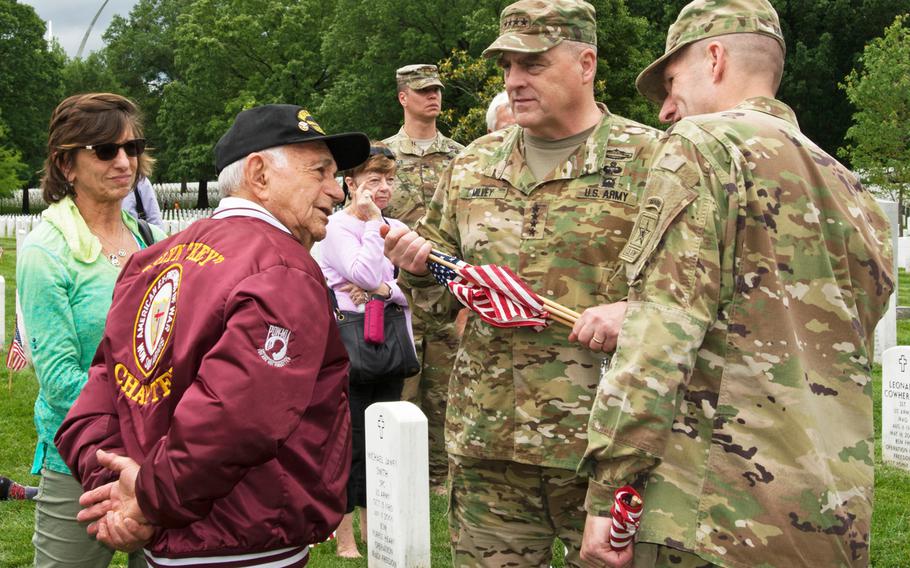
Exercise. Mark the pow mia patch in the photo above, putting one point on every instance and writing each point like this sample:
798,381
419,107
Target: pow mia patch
275,349
155,319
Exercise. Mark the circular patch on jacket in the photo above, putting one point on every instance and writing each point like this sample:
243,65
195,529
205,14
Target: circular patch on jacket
155,319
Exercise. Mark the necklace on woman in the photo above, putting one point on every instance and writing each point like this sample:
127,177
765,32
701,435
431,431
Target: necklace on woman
114,257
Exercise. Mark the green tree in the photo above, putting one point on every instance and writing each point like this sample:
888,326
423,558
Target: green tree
824,40
139,53
368,40
233,56
89,75
30,84
879,88
11,166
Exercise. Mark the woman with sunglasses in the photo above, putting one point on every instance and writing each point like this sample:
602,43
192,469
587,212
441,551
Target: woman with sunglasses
65,275
356,270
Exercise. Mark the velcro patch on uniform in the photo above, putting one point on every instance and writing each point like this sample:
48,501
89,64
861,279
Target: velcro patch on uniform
684,170
483,193
671,163
618,195
645,225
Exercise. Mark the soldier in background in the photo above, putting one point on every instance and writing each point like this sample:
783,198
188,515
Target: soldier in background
553,198
739,398
423,153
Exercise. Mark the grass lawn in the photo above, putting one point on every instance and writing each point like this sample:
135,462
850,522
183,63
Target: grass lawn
890,523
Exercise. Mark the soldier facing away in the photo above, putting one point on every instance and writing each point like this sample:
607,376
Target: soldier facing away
554,198
739,399
423,153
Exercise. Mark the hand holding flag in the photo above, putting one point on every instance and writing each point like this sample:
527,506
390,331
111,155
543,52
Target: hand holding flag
494,292
626,513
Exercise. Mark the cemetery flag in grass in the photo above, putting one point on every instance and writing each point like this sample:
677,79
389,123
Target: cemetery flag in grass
16,360
494,292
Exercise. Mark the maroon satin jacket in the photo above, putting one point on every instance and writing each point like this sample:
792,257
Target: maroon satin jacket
223,374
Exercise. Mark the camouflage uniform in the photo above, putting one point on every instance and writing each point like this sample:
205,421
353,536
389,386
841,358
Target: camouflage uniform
517,395
418,175
740,397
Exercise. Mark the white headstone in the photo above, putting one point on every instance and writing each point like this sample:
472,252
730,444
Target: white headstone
903,253
398,486
896,407
886,330
21,233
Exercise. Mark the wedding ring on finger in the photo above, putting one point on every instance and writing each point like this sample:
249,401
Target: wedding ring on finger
595,340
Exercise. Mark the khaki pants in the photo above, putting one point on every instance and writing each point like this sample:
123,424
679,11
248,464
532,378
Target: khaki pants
508,514
59,540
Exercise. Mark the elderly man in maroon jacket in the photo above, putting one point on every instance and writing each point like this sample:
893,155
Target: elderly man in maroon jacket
214,427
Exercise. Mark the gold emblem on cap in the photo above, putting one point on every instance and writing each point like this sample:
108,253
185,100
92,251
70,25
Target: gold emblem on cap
307,121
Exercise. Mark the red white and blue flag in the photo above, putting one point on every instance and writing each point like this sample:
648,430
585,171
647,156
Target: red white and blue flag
16,359
494,292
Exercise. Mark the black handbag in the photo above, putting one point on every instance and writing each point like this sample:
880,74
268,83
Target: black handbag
370,363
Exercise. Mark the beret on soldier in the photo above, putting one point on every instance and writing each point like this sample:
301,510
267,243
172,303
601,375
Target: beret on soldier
268,126
419,76
703,19
534,26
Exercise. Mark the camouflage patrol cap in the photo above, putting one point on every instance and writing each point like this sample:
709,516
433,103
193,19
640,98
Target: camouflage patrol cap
534,26
418,76
702,19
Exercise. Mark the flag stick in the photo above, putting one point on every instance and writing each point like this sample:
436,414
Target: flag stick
557,311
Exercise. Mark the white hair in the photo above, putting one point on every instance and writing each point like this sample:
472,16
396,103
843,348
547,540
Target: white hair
231,176
499,100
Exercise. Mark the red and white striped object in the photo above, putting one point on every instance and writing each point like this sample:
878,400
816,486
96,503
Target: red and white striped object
626,513
16,359
494,292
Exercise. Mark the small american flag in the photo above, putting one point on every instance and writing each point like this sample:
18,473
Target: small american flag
494,292
16,360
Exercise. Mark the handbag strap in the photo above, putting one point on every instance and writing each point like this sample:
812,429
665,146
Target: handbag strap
386,221
140,208
334,300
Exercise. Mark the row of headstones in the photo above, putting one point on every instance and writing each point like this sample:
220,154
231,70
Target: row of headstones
11,224
178,214
166,193
21,225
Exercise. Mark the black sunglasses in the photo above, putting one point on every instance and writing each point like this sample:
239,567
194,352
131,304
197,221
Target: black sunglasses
108,151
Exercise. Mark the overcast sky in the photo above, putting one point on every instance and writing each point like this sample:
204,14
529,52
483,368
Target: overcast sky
70,19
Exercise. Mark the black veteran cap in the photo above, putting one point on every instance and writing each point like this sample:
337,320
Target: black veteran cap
277,125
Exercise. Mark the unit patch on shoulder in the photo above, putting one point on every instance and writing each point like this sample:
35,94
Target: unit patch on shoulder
275,349
155,319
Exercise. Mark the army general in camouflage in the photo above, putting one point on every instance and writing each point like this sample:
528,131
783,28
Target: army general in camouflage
423,153
739,399
554,198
